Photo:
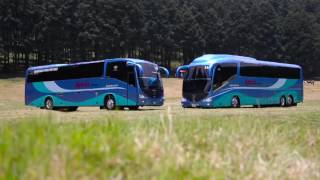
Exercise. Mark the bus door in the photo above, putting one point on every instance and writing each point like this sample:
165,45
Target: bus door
132,90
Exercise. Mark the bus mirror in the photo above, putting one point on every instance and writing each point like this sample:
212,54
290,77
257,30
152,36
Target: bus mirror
140,69
130,63
181,71
165,70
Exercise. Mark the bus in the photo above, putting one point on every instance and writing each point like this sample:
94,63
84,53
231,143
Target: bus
212,81
109,84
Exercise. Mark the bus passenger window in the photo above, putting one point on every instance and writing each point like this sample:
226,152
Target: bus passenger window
117,70
78,71
223,74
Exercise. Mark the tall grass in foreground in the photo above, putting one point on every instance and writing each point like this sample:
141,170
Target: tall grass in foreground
164,147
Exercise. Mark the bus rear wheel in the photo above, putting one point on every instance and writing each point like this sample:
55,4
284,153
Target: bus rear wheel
283,101
110,103
290,101
48,104
235,102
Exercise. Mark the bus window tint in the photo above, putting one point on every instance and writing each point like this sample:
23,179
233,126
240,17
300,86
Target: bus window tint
67,72
197,84
256,70
150,81
149,70
117,70
198,72
81,71
131,76
150,78
223,74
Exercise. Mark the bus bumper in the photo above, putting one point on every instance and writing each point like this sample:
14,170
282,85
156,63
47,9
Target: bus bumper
202,104
151,102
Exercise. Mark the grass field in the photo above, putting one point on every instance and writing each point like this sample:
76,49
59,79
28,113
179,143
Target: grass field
166,142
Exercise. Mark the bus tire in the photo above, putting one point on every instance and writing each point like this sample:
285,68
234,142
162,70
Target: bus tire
283,101
290,101
48,103
235,102
110,103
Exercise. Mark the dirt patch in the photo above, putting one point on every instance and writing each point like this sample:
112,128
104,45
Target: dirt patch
312,92
172,88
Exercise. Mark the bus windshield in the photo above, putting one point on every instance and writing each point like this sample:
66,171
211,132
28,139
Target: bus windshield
149,80
196,83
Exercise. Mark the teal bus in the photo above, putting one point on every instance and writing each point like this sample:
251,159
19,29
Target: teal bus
232,81
109,84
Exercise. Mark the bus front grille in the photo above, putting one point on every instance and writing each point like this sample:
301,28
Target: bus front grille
194,97
153,93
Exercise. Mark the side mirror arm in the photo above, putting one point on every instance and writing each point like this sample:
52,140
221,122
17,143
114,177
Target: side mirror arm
179,73
165,70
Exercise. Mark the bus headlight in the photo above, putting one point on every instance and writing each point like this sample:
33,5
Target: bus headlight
141,96
183,100
207,100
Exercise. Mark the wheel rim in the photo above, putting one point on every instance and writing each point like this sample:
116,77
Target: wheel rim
110,104
290,101
282,101
49,104
235,102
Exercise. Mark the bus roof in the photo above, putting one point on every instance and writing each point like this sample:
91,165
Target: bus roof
46,66
87,62
59,65
210,59
133,60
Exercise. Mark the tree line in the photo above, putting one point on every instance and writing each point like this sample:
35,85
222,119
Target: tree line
168,32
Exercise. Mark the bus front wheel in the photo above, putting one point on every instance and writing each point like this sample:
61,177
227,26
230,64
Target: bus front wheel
48,104
235,102
110,103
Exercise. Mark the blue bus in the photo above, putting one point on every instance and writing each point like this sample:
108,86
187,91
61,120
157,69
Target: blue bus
108,84
232,81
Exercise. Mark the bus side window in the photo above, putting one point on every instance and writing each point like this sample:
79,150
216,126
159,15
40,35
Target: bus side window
117,70
223,74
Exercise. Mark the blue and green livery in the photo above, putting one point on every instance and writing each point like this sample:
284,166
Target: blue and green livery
111,84
212,81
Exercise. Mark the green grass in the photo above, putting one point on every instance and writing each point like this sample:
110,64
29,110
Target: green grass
158,143
163,147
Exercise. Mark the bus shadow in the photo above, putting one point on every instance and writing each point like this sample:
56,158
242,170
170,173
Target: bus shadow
141,110
265,106
104,110
249,107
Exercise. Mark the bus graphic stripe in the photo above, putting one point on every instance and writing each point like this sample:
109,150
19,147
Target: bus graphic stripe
39,102
52,87
277,85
